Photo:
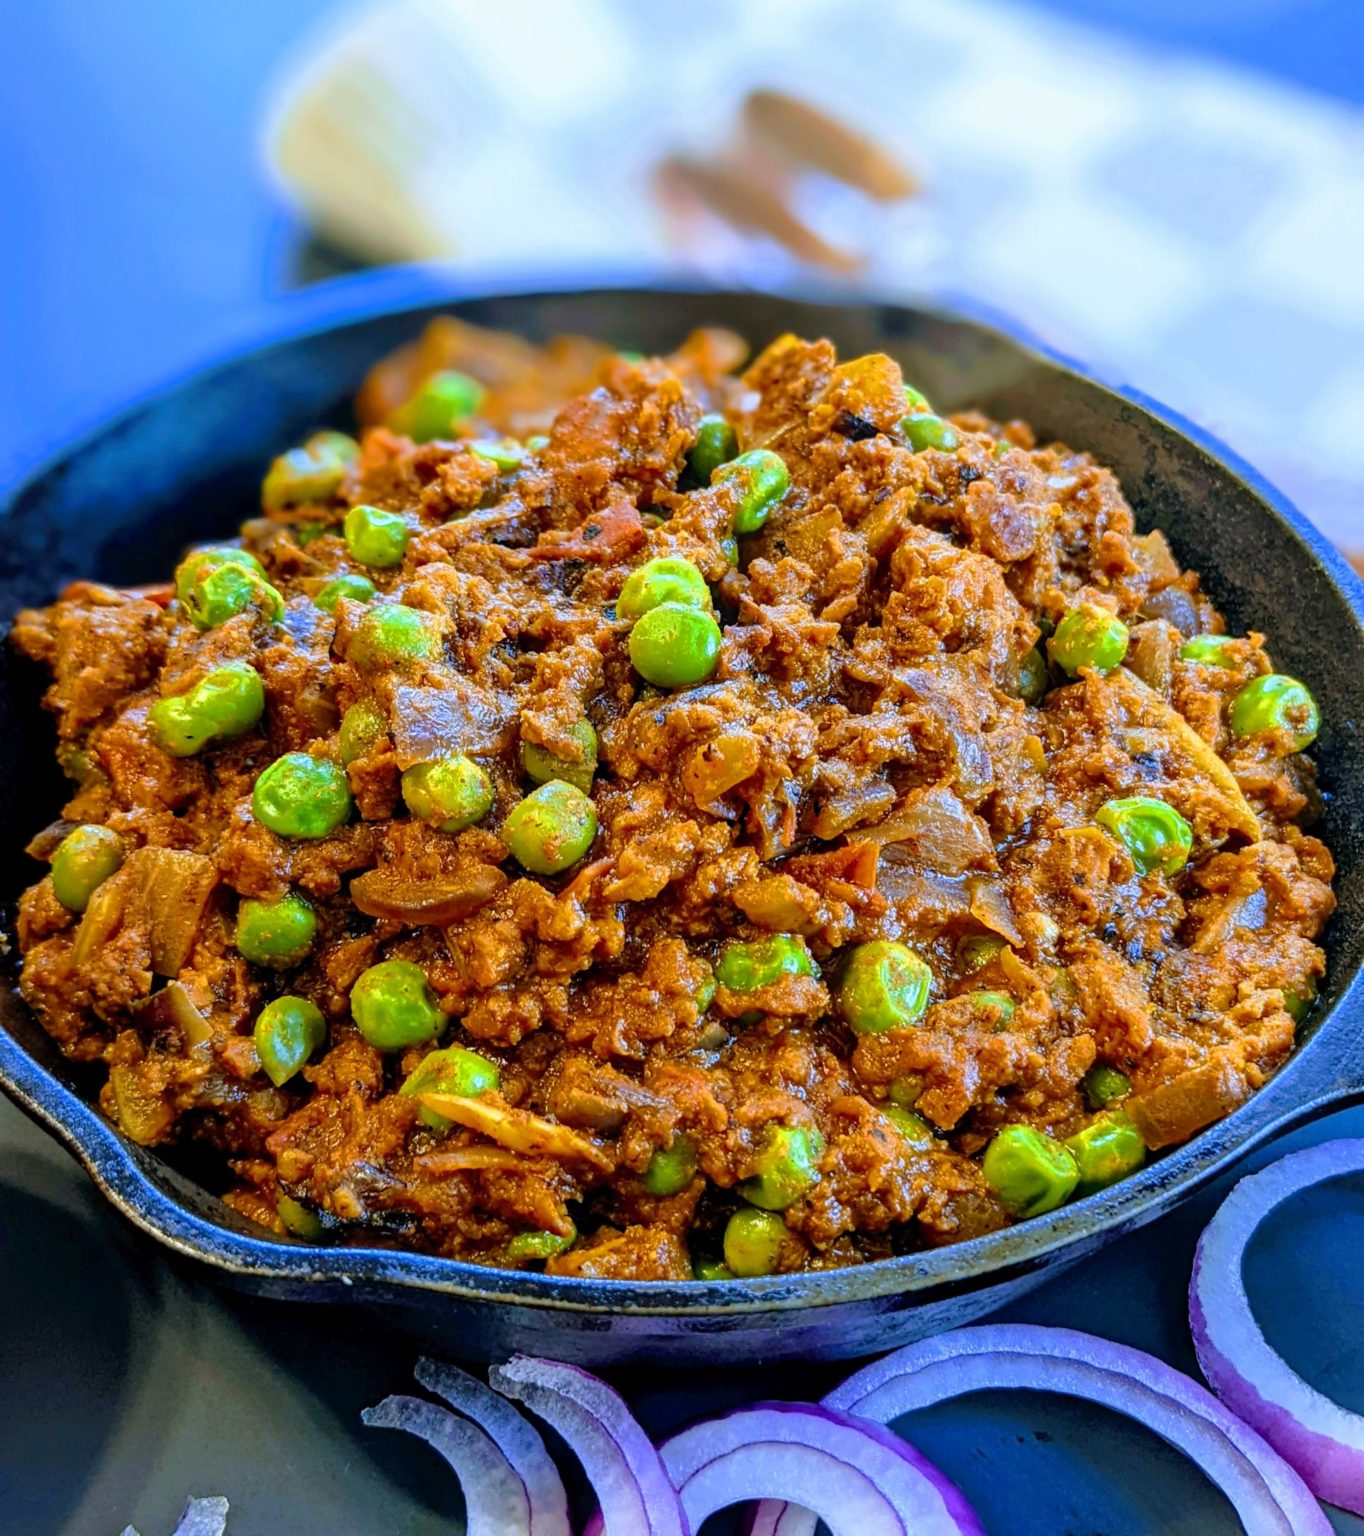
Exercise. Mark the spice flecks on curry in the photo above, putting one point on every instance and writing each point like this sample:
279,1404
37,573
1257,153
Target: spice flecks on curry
639,819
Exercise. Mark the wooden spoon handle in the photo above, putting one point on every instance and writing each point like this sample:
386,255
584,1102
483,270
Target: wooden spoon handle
806,135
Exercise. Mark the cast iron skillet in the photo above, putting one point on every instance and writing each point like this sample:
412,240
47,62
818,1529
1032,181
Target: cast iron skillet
187,466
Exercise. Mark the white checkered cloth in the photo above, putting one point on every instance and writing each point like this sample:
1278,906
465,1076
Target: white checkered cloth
1191,229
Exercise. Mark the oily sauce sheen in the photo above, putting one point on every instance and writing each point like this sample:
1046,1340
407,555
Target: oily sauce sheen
876,752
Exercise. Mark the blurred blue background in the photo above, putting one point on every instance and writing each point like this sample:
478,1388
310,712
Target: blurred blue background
142,234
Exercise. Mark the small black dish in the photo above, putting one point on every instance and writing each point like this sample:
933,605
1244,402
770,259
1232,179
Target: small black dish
186,466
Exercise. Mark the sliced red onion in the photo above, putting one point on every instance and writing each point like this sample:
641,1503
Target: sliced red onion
634,1492
857,1477
1324,1441
515,1436
202,1517
494,1496
1270,1498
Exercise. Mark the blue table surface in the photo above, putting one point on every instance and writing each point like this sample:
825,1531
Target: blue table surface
139,240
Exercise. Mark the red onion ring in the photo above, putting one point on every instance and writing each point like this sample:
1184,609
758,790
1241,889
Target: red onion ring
495,1498
1324,1441
860,1479
634,1493
515,1436
201,1517
1268,1495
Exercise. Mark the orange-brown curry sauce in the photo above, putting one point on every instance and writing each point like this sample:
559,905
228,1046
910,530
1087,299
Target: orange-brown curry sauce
859,766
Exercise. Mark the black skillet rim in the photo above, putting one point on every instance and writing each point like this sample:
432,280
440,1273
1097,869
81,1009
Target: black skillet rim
1306,1085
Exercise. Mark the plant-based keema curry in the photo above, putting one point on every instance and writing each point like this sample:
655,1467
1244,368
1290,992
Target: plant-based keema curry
642,820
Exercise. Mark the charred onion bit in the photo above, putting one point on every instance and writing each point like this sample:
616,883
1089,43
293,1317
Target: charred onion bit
426,903
171,1013
163,889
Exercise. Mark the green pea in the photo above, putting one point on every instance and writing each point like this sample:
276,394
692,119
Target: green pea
551,829
222,592
455,1071
539,1245
313,472
997,1007
1031,682
299,1220
541,766
1029,1172
391,633
712,1269
438,407
748,965
715,445
1088,636
342,444
1106,1150
669,579
77,764
909,1125
302,796
362,729
763,479
393,1006
925,430
883,985
308,533
977,950
287,1032
375,537
505,452
915,399
672,1168
730,546
537,442
1103,1085
905,1091
753,1243
786,1166
351,585
1276,703
226,703
451,793
674,646
1297,1001
202,562
1155,835
276,933
1209,650
705,993
84,860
